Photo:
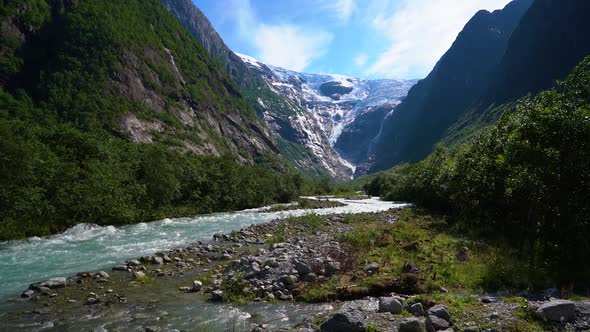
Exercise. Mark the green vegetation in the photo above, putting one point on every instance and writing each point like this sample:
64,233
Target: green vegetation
443,258
63,89
524,182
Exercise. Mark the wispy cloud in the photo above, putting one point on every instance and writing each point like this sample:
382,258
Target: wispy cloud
344,8
289,46
419,32
361,59
285,45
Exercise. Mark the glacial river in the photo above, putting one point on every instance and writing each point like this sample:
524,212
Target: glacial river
93,248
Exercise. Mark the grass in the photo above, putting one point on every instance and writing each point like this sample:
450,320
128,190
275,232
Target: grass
445,259
311,223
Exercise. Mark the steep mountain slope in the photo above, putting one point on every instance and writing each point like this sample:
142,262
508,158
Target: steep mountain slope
325,107
140,76
552,38
102,104
252,86
457,81
307,117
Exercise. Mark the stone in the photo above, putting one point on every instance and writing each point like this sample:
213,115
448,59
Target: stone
92,300
412,325
349,320
27,294
489,299
44,290
52,283
103,274
312,277
134,262
390,304
317,265
289,279
185,289
138,275
494,315
557,310
217,295
152,329
410,268
332,267
197,285
434,323
120,268
157,260
372,269
417,309
302,268
440,311
227,257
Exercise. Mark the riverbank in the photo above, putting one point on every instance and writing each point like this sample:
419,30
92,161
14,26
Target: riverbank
347,262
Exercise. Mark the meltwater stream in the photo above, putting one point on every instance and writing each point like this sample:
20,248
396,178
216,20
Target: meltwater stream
93,248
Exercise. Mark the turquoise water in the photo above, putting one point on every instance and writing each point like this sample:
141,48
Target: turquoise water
92,248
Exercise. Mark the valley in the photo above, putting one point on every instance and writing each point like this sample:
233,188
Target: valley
184,165
326,107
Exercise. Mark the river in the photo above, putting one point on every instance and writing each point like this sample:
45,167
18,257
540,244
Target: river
92,248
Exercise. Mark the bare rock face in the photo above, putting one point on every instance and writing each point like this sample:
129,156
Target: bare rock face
335,89
557,310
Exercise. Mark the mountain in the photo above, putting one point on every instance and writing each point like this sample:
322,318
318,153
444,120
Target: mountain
252,86
458,80
138,79
112,113
324,107
551,39
306,112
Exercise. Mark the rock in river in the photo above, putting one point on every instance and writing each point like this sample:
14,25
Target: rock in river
52,283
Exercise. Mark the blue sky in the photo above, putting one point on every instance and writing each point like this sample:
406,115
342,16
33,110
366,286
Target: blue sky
359,38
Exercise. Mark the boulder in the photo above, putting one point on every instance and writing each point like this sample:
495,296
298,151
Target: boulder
138,275
197,285
434,323
157,260
346,321
412,325
440,311
103,274
390,304
52,283
410,268
27,294
134,262
372,268
417,309
557,310
332,267
289,279
302,268
217,295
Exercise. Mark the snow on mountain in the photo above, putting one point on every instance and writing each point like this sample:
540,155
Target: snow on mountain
328,105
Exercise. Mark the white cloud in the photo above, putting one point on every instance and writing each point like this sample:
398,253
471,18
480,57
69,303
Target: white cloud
285,45
420,32
289,46
344,8
361,59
